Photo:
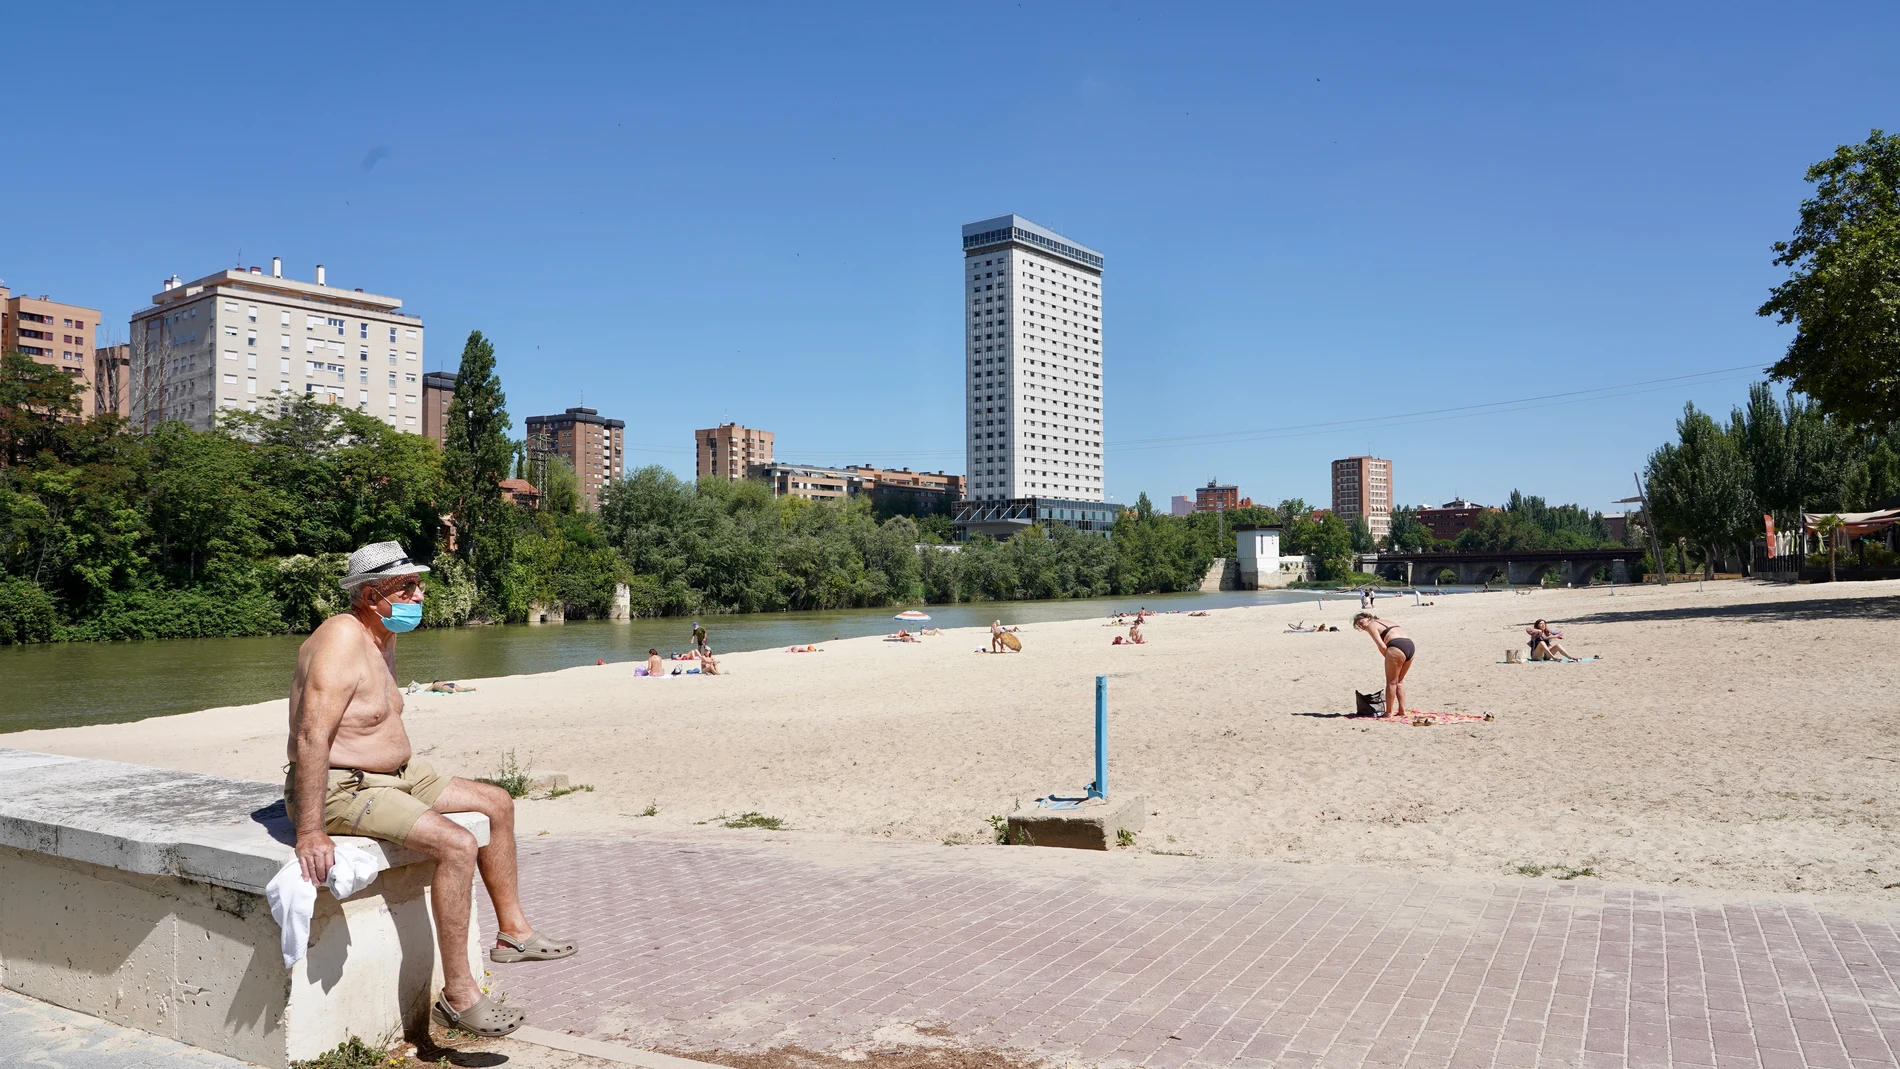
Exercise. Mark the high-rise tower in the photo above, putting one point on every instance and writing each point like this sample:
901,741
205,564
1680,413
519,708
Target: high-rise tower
1033,388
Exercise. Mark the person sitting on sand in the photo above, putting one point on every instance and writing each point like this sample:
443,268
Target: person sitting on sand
655,667
708,665
1134,632
1397,651
904,636
1543,643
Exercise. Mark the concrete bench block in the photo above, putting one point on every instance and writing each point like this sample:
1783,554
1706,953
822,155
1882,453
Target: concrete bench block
137,895
1091,826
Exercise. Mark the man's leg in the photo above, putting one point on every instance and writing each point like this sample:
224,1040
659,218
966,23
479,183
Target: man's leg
496,860
453,849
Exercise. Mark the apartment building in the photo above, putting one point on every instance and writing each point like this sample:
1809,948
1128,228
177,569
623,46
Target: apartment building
729,451
1453,518
55,334
1362,486
901,490
595,447
892,490
112,379
1219,497
438,387
1033,355
811,482
235,339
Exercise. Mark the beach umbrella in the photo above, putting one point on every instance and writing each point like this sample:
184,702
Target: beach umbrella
912,616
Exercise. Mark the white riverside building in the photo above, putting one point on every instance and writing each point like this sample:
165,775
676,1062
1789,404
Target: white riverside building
1033,385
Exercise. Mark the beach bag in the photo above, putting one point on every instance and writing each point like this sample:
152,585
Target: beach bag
1372,704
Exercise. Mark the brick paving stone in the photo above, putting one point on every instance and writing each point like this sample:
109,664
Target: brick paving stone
742,942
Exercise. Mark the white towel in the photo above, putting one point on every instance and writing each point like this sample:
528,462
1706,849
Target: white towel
293,899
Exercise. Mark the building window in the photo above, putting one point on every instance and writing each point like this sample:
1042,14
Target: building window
283,318
362,330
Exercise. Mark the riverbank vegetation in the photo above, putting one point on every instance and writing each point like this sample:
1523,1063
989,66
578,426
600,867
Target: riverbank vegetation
112,532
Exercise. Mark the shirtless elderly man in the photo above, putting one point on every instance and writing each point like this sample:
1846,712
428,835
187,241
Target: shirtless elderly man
348,748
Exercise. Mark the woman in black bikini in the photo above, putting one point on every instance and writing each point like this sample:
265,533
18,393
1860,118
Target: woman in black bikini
1398,652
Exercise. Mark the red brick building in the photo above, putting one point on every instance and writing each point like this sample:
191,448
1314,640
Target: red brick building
1452,519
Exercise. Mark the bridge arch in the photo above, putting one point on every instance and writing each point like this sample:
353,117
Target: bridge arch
1480,574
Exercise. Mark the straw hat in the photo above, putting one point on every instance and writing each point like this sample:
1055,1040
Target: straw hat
379,560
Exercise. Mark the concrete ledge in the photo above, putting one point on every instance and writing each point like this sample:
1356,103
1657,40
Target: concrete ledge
137,895
1095,825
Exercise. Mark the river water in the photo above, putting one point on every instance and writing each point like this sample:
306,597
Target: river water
69,684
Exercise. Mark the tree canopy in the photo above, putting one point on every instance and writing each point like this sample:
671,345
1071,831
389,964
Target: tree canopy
1843,291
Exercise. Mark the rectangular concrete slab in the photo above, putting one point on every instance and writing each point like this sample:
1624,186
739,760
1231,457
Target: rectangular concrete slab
1093,825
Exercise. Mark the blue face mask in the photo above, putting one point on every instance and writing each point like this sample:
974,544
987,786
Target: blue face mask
404,615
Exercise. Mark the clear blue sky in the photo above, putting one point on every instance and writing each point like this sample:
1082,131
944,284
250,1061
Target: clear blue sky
751,212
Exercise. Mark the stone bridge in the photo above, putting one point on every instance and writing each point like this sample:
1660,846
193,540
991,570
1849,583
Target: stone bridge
1524,567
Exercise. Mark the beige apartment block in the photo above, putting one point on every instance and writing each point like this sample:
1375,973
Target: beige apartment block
111,380
57,335
729,451
808,481
1362,486
234,340
595,447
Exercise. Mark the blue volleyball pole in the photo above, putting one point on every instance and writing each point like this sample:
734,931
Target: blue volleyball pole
1099,789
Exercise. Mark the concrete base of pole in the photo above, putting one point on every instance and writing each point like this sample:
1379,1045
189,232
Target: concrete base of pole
1097,824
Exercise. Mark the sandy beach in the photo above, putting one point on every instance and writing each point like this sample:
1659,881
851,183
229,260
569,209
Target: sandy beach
1738,738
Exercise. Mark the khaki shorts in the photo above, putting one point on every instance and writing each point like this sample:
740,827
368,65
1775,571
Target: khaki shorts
381,806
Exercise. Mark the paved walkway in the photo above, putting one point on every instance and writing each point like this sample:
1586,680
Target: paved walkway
728,942
35,1034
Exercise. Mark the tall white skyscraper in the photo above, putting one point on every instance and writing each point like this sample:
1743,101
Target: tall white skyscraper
1034,353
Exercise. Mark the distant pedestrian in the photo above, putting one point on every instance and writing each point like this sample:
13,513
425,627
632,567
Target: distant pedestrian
699,638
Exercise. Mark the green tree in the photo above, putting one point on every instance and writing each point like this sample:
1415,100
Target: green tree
1407,535
474,463
561,488
1843,293
34,400
1698,487
1332,544
1361,534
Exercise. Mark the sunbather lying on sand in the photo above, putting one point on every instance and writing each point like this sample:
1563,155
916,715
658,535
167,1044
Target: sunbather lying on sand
440,687
901,636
